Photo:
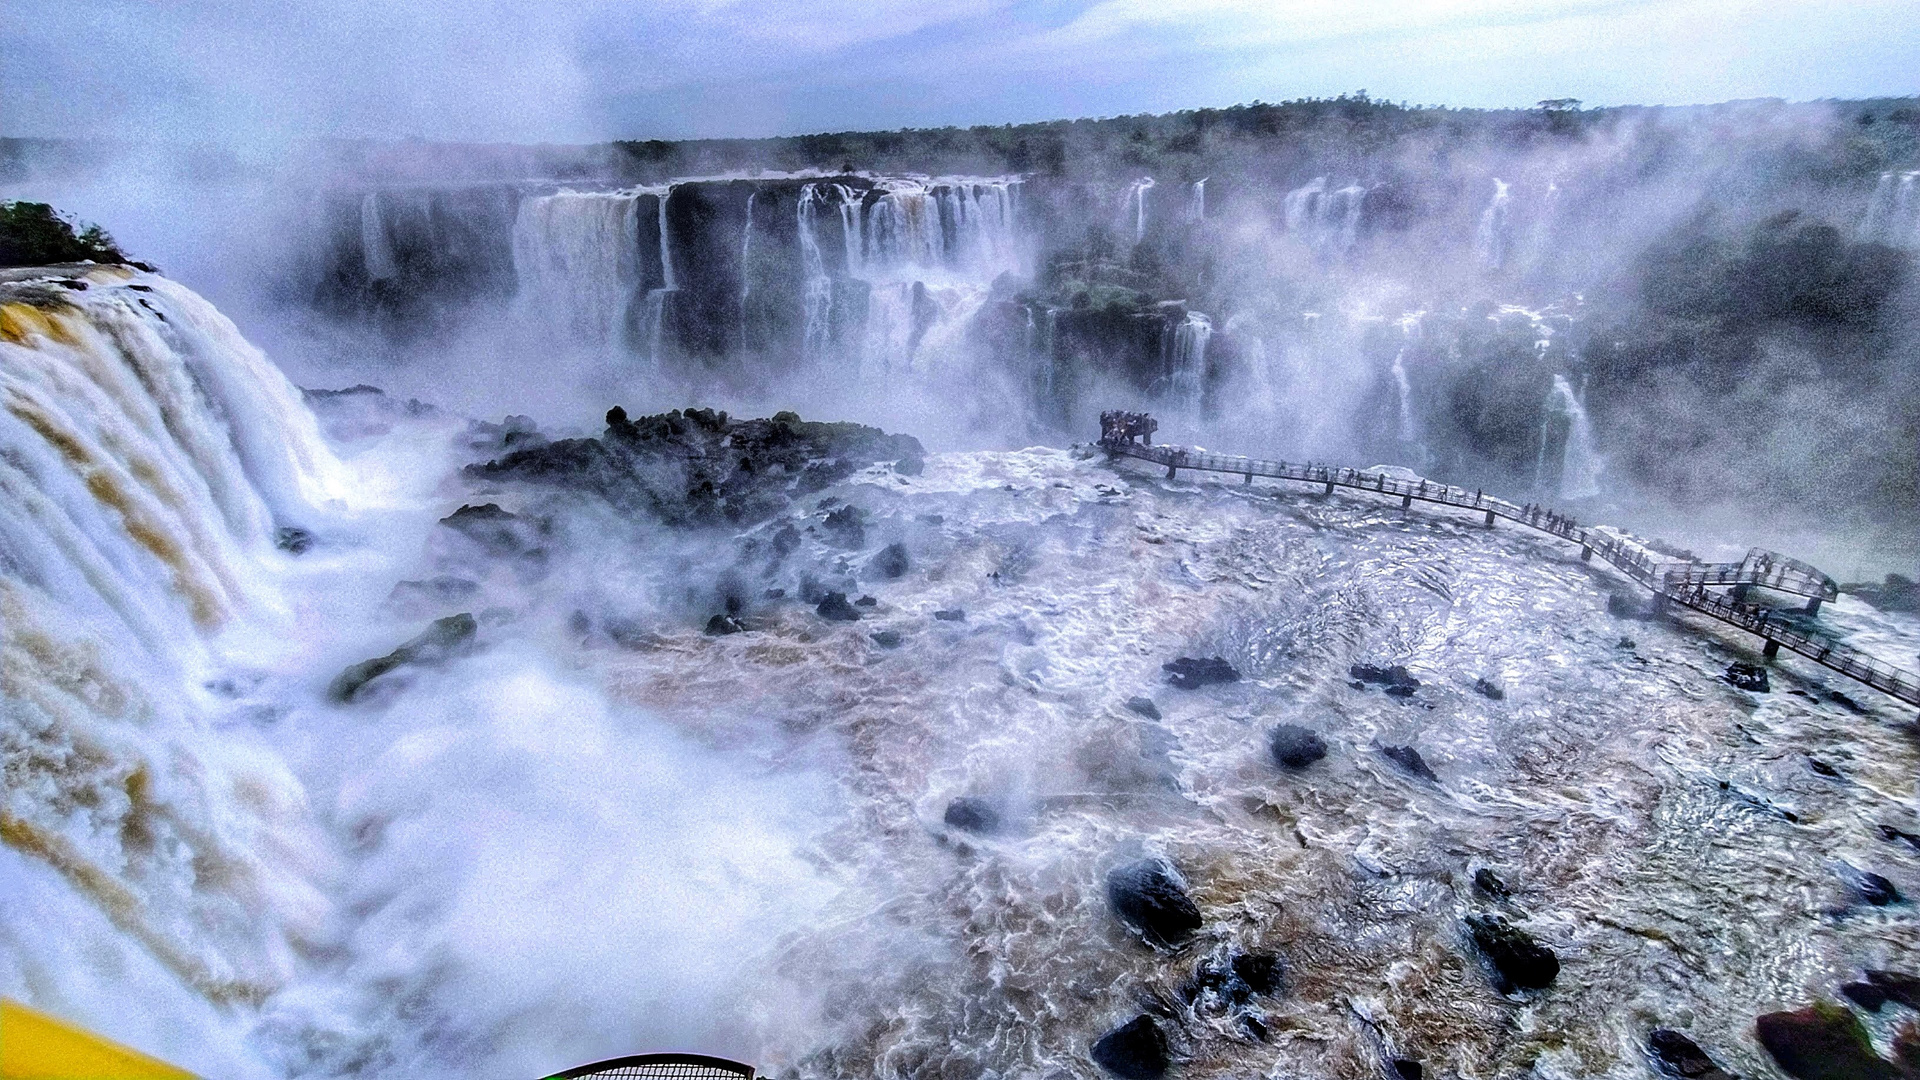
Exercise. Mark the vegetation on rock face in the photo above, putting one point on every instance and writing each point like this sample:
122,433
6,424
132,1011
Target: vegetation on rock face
34,234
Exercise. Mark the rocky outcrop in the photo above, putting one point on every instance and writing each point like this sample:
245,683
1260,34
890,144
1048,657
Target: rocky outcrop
1136,1050
892,562
1410,762
1680,1057
1751,677
1150,896
835,608
1143,706
1519,962
701,467
441,641
1188,673
1395,678
1823,1041
971,813
1294,747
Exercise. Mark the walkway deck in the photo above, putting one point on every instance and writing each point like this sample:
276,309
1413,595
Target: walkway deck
1673,581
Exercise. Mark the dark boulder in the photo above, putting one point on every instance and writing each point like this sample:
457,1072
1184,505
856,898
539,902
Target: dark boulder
1897,987
1868,886
1489,689
722,624
1188,673
950,615
892,562
1393,677
441,641
1294,747
1489,883
835,608
497,532
1518,960
1680,1057
1136,1050
1864,994
846,527
973,814
1144,706
1406,1069
1823,1041
887,639
1222,983
293,540
1410,762
1748,677
1149,896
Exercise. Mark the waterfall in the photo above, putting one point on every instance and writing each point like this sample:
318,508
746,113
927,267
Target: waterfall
1136,206
1189,367
1580,460
852,229
818,297
376,247
1405,388
667,277
746,268
654,317
1893,214
151,457
1327,221
1199,209
577,258
1490,241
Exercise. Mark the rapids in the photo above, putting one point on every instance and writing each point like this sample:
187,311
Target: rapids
600,830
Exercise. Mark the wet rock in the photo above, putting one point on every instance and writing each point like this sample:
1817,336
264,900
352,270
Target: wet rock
887,639
1410,762
444,589
723,623
1136,1050
1294,747
1489,689
1748,677
973,814
293,540
1897,987
867,601
1150,896
1490,884
1868,886
497,532
1518,960
846,527
700,467
1406,1068
1823,1041
1622,606
910,466
1144,706
950,615
1823,768
1681,1057
441,641
892,562
1188,673
1222,983
1390,677
1625,643
785,540
1864,994
834,607
1897,593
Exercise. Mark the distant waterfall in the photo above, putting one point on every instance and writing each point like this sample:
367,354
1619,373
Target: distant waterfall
1189,360
818,295
1199,206
150,457
1328,221
376,247
653,319
746,267
667,276
1490,240
1893,211
1405,388
1136,206
577,257
1580,460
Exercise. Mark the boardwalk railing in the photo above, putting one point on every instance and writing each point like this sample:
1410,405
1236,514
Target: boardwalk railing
1672,580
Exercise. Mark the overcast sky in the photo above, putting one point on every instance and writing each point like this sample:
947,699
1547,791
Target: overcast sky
578,70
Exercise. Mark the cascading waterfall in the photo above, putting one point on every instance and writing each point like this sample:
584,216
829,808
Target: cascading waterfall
1405,393
376,247
1893,212
1328,221
746,267
577,258
1490,240
1189,360
1580,461
1199,208
152,458
1302,204
1136,206
655,315
818,297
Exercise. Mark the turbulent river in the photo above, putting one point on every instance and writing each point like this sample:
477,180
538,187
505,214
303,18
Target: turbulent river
595,829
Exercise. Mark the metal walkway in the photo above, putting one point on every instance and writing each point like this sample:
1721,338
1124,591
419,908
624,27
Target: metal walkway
1673,581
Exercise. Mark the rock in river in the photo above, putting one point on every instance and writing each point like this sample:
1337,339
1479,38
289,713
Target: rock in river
1294,747
1187,673
1518,960
1150,896
1410,760
1681,1057
1823,1041
439,642
1136,1050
